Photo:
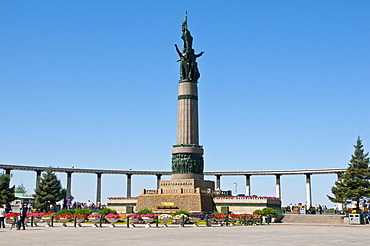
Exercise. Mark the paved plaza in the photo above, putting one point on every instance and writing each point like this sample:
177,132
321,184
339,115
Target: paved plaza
281,234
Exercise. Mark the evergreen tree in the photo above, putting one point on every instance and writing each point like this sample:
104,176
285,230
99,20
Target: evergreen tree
20,188
48,190
6,193
355,183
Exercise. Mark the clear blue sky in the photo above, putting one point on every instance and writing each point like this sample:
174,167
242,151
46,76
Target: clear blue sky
284,85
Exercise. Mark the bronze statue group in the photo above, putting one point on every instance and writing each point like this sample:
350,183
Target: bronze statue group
188,65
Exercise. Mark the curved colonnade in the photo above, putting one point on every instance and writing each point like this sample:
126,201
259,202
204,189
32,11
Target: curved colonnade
99,172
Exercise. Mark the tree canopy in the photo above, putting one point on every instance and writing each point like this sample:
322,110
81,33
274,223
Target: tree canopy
48,190
20,188
6,192
354,184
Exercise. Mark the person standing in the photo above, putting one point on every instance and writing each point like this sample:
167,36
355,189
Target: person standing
2,216
23,214
8,208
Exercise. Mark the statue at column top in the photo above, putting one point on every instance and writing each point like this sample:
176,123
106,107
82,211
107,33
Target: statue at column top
188,65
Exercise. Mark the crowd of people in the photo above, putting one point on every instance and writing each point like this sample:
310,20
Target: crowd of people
68,204
296,208
22,215
26,207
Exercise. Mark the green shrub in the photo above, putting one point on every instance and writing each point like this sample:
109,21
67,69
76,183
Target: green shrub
270,211
106,211
65,211
145,211
258,211
84,211
181,212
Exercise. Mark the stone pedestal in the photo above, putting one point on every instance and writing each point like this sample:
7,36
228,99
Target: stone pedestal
170,203
192,195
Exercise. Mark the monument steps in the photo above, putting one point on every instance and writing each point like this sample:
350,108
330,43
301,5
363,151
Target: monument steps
313,218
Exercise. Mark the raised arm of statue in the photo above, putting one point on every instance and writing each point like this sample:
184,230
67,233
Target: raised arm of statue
178,51
200,54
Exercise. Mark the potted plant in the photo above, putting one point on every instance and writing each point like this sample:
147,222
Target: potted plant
220,218
269,214
165,218
133,218
80,218
148,218
112,218
255,218
233,218
196,218
94,218
33,217
46,217
179,217
64,218
11,218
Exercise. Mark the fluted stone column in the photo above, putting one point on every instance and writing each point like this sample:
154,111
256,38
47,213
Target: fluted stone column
278,188
187,154
308,190
247,185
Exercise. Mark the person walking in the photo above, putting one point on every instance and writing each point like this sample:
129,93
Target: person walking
2,216
23,214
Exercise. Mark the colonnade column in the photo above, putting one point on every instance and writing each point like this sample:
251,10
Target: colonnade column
98,188
218,182
38,176
159,176
7,172
278,188
340,205
247,184
308,190
128,193
69,185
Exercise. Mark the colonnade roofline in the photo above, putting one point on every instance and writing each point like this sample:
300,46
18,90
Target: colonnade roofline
210,173
81,170
279,172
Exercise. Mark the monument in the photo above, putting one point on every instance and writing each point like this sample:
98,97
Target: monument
187,189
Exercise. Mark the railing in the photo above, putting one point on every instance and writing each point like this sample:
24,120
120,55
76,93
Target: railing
151,191
175,191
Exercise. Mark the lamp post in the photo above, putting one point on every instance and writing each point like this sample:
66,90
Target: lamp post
236,188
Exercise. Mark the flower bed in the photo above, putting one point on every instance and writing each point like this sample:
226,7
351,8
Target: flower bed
80,216
47,214
11,215
64,216
134,216
94,215
112,216
34,214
